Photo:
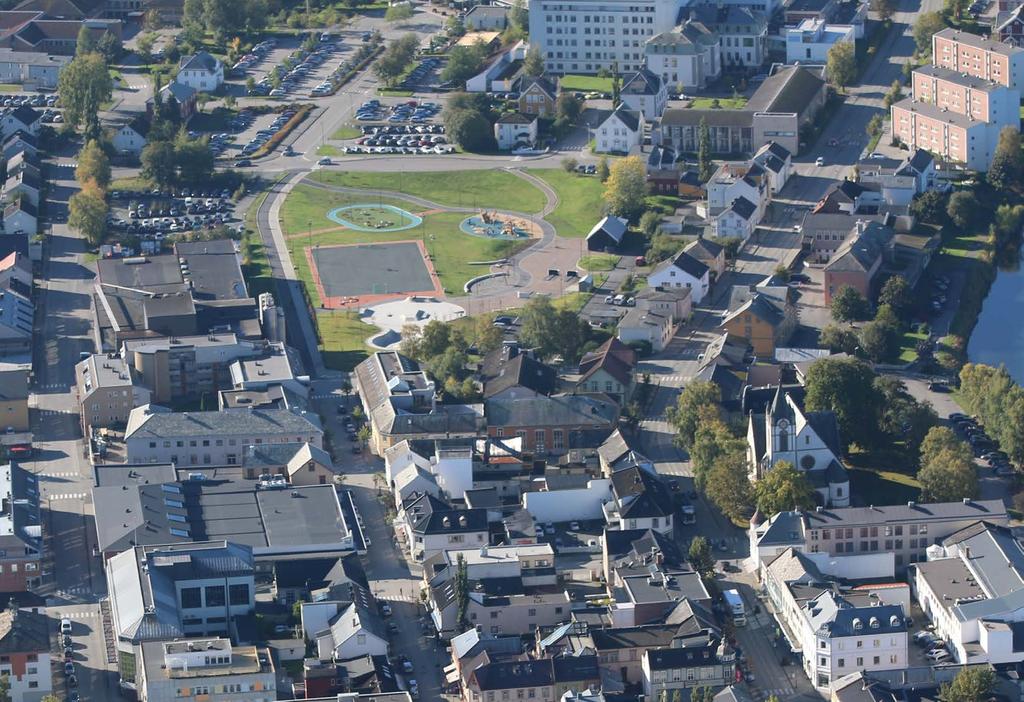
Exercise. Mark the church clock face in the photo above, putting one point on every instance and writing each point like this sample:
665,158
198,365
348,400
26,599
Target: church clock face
783,424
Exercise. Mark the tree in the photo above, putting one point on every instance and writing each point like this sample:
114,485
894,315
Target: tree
704,168
845,386
883,8
1007,167
569,164
488,337
783,488
841,64
930,207
464,62
603,171
700,557
902,416
685,415
158,162
971,684
927,25
712,440
878,339
626,187
552,331
398,13
461,590
940,440
568,108
533,64
469,129
364,434
896,294
93,165
144,47
895,93
849,305
87,213
962,208
84,85
837,339
86,43
875,126
947,477
152,21
728,485
649,223
110,46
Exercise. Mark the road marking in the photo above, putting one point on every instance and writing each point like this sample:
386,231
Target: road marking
67,496
64,474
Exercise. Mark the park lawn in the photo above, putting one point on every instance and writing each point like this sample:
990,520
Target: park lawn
10,88
343,339
598,262
347,133
327,150
134,183
874,474
908,346
392,92
475,189
452,250
586,83
580,201
704,103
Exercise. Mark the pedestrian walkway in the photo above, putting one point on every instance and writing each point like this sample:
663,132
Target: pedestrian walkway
54,386
62,474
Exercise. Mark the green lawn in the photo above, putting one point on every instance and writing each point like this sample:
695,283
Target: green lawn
391,92
587,84
451,249
343,337
327,150
9,88
705,103
476,189
347,133
579,201
908,346
598,262
876,477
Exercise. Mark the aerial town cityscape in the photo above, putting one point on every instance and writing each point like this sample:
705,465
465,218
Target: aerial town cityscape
511,350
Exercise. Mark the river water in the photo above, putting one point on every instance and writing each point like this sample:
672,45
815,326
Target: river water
998,337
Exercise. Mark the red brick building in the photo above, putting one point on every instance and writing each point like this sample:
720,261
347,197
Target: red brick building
976,56
551,424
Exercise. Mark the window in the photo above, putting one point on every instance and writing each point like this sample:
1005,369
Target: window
860,662
239,594
215,596
191,598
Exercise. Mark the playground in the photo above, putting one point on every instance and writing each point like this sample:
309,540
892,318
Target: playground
374,218
347,275
494,225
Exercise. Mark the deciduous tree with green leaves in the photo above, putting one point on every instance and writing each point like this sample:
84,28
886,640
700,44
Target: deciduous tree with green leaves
963,209
841,64
1007,169
704,166
93,165
84,84
848,305
533,64
782,488
685,416
971,684
728,484
700,557
846,387
87,213
927,25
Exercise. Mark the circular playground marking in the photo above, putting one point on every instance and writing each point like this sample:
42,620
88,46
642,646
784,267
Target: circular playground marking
374,218
491,225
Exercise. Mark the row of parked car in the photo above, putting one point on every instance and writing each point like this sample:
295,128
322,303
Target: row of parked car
409,111
421,71
70,674
985,447
331,83
254,57
34,100
934,646
303,63
265,135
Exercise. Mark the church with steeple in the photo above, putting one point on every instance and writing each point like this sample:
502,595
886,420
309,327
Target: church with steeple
778,429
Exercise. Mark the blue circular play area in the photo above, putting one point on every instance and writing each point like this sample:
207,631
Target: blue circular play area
490,225
374,218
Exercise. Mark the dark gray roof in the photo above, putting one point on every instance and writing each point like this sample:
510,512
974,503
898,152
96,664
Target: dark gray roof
643,82
499,372
689,117
611,226
429,515
689,265
633,547
269,423
26,115
630,118
863,250
791,89
200,61
584,411
704,249
743,207
640,494
762,307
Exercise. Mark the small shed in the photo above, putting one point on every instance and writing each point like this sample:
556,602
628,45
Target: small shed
607,234
586,283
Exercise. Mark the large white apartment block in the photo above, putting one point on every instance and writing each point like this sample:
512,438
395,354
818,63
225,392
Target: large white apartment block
585,36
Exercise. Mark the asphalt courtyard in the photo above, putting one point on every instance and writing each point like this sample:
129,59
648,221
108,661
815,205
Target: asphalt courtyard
360,274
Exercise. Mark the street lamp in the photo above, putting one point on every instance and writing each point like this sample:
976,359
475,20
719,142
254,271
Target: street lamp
309,233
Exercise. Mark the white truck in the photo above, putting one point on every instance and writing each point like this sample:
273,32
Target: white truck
734,605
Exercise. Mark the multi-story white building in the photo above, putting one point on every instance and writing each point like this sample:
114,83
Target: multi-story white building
689,55
187,670
812,39
836,631
585,36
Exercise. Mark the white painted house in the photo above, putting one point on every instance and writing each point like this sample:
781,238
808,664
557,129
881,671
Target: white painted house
682,271
354,632
201,71
645,92
129,139
777,162
737,220
622,130
515,130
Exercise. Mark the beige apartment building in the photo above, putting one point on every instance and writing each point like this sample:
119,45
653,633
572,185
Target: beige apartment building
106,394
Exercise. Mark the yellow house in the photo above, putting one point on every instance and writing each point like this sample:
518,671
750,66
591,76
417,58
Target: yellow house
760,323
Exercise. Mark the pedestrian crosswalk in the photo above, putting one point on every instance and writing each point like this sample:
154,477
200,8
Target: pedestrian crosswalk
62,474
779,692
67,496
49,413
54,386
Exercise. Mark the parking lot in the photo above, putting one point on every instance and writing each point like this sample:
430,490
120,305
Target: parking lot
284,70
156,215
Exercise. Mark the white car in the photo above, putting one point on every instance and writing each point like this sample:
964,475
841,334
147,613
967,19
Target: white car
938,654
820,161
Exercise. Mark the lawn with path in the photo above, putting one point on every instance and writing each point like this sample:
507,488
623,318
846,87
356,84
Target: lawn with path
580,201
589,84
452,250
707,103
473,189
